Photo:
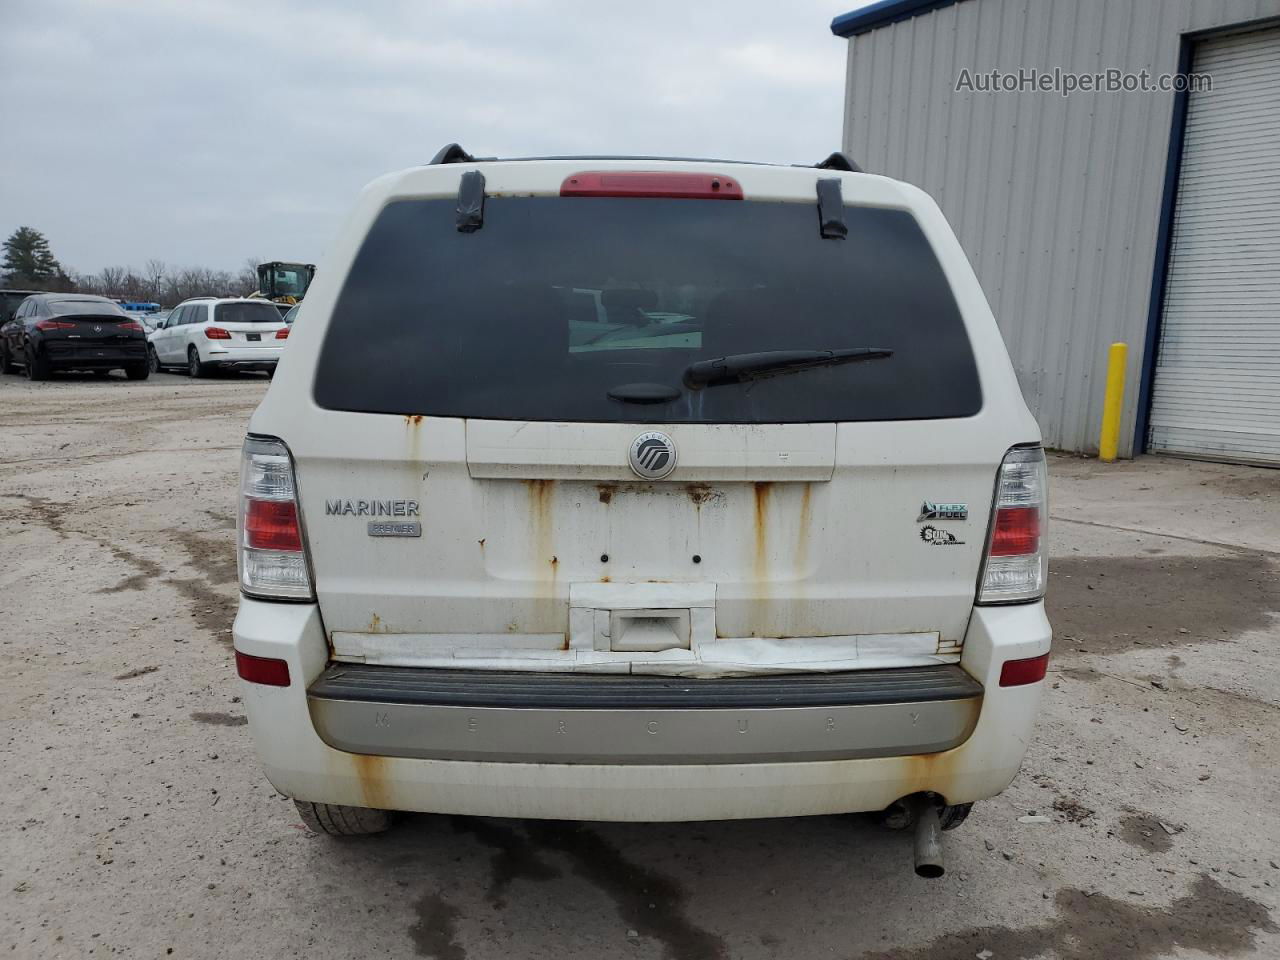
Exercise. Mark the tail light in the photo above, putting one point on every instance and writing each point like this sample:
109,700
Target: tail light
282,333
54,325
1014,568
216,333
131,325
272,550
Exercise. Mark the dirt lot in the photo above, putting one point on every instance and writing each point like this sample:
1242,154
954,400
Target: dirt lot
136,823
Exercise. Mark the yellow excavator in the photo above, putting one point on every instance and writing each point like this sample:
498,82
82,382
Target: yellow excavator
284,284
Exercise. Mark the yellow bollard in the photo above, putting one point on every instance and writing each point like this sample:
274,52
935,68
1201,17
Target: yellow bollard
1109,442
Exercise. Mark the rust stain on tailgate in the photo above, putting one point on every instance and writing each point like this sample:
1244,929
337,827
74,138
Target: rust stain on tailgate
544,563
412,422
700,493
802,534
760,562
761,606
541,517
804,615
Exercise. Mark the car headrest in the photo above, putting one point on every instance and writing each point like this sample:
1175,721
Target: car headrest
623,305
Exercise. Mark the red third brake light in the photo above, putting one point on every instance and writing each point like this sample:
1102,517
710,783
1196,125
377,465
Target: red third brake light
681,186
216,333
1016,532
282,333
271,525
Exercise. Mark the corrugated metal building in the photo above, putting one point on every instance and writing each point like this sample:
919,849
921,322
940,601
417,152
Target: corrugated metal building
1147,217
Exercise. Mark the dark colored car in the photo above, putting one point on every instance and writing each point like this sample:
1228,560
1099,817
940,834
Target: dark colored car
68,331
10,300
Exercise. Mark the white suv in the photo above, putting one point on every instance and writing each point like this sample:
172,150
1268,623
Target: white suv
643,490
209,333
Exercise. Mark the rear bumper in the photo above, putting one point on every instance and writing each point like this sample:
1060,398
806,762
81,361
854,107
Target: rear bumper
89,356
244,364
255,358
789,771
514,717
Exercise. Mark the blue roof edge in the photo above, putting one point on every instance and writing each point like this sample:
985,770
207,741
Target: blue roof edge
882,14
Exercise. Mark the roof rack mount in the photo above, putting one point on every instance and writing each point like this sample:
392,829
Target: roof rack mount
838,161
451,153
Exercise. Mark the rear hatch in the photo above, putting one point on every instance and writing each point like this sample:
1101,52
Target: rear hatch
520,458
90,330
252,324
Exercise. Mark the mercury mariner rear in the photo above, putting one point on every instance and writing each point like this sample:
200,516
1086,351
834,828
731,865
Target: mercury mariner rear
642,490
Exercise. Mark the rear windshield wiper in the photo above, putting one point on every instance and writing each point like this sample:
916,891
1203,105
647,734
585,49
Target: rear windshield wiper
767,363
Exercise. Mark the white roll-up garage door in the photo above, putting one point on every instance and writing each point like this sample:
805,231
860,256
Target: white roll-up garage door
1217,381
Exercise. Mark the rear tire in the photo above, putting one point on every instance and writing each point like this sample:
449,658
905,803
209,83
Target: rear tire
37,364
138,371
338,820
951,817
194,367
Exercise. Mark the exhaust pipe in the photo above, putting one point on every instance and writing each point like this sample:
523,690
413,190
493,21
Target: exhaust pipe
928,838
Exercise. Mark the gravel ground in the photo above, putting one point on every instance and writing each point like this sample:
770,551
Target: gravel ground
135,821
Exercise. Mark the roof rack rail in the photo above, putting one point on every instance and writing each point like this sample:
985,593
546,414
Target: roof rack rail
838,161
454,153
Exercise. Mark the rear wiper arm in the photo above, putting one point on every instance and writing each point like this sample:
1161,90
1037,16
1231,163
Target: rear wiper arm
767,363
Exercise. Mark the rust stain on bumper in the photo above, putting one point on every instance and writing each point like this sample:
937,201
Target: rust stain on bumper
372,774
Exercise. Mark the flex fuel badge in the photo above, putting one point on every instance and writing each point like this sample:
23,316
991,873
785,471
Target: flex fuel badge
939,538
942,511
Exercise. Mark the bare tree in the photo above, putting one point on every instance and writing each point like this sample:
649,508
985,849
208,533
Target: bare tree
110,281
247,279
154,270
164,284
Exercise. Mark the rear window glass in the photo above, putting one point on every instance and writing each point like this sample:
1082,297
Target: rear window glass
289,281
264,312
9,304
556,302
104,308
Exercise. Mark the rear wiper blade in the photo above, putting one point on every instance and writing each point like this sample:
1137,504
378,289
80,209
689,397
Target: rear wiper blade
767,363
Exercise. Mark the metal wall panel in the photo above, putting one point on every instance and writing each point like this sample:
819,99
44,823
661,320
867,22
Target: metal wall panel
1217,380
1055,199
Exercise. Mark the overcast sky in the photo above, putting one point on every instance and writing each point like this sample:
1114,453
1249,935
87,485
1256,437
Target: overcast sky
204,132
